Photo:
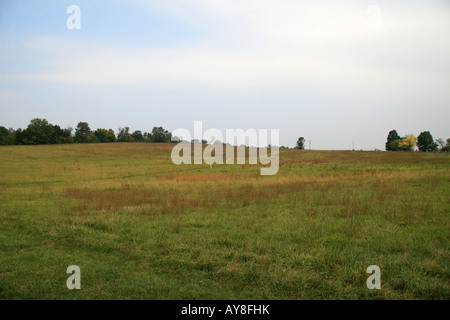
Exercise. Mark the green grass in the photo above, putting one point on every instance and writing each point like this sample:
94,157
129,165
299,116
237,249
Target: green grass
140,227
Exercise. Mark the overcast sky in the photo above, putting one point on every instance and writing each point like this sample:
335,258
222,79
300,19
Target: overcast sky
334,72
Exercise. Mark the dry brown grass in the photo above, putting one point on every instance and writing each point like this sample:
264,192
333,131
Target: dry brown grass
149,200
199,177
178,193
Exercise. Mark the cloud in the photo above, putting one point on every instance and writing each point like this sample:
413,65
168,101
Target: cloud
258,43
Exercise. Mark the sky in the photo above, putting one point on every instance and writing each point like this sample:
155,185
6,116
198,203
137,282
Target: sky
341,74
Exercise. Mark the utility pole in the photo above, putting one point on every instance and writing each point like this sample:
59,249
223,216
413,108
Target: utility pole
309,144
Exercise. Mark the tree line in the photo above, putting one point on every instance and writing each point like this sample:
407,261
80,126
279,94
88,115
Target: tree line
424,142
40,131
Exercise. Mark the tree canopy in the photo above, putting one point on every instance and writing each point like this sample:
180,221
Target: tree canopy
425,142
82,132
300,143
40,131
393,140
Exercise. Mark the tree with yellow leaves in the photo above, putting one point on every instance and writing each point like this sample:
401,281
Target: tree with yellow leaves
407,143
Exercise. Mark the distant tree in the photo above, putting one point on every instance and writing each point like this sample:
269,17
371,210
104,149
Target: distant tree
93,138
444,147
407,143
393,141
394,145
300,144
124,135
67,135
7,137
425,142
137,136
56,137
159,134
39,131
62,135
147,137
447,146
168,136
440,143
83,133
111,136
20,136
101,134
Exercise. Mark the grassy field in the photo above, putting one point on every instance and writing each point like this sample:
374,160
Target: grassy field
140,227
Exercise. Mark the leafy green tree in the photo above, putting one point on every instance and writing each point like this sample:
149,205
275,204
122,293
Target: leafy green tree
101,134
147,137
62,135
56,137
443,146
83,133
39,131
20,136
68,139
394,145
159,134
447,146
124,135
425,142
393,141
440,143
93,138
300,144
137,136
111,135
7,137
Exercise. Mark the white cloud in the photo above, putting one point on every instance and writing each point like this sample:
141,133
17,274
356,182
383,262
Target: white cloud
322,43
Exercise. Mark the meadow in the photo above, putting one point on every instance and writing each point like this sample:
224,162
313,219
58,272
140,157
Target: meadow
140,227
